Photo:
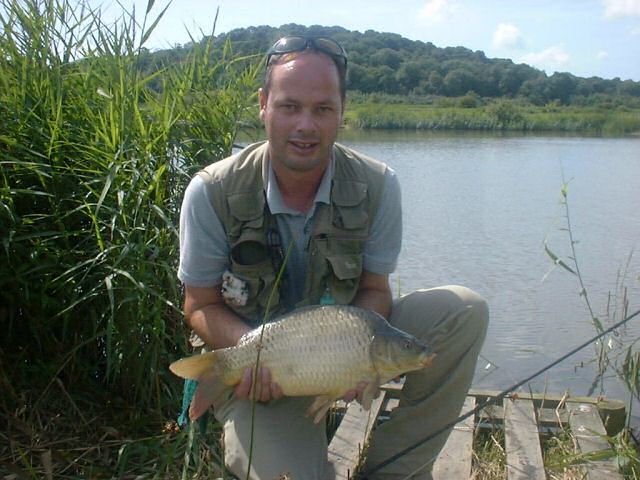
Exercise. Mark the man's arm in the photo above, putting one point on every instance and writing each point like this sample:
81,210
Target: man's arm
374,293
207,315
219,327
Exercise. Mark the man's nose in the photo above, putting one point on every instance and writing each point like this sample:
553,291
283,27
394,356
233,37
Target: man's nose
306,121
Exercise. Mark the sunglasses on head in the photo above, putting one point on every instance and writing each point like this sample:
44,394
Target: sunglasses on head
296,43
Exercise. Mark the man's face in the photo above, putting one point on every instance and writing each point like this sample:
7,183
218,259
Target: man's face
302,112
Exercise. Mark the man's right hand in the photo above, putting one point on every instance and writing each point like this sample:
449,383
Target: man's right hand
265,389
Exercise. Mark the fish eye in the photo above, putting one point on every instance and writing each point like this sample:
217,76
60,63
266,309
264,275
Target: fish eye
408,344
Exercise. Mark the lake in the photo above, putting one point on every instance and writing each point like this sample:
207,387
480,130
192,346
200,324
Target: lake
478,209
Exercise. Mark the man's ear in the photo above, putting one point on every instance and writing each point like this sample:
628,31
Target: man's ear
262,98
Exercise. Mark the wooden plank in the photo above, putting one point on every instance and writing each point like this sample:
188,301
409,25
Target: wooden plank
493,415
548,400
352,436
589,432
522,441
455,458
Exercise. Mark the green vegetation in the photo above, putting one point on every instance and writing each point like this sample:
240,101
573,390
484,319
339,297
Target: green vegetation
398,83
388,64
453,114
93,166
561,460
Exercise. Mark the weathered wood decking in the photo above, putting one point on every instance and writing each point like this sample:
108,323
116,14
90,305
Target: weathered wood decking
524,418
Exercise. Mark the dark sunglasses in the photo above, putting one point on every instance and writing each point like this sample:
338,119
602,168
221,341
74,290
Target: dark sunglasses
295,43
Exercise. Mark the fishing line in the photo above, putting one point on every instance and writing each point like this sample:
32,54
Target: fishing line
492,400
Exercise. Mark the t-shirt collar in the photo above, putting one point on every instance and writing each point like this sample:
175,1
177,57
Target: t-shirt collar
274,197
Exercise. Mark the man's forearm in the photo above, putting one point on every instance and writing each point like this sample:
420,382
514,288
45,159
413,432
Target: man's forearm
209,317
375,300
374,293
217,326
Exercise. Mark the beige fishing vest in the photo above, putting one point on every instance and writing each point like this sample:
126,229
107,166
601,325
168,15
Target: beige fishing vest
339,229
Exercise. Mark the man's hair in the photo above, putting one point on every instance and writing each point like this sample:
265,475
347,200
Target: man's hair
286,57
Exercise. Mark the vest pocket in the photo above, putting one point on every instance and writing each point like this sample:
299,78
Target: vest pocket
344,282
260,280
350,209
247,211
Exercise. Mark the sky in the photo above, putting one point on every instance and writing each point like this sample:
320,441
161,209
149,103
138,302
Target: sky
584,37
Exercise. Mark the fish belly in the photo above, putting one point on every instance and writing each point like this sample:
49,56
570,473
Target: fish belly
327,355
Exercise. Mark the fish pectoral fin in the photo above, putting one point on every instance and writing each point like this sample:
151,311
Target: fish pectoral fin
372,391
195,366
320,407
210,389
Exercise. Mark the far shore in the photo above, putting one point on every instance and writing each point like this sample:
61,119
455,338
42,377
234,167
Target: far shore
498,116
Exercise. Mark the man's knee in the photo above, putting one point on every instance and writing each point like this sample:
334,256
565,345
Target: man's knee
448,309
476,306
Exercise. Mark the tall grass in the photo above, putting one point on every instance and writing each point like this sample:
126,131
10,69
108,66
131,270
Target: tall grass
93,165
498,115
616,353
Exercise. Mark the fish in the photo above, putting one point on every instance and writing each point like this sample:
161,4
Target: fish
321,351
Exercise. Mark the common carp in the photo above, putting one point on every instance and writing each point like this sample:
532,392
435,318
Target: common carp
320,351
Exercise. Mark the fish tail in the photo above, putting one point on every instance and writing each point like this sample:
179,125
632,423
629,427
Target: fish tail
196,366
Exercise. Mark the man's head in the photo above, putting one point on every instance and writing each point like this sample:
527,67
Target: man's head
288,47
302,103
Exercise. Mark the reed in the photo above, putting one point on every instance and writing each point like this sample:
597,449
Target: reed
494,116
94,160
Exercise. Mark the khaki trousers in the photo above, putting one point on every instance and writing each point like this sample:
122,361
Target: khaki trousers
286,444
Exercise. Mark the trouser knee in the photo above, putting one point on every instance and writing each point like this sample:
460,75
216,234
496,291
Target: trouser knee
476,307
444,312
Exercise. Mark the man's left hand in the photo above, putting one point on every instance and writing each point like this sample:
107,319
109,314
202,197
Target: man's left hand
355,393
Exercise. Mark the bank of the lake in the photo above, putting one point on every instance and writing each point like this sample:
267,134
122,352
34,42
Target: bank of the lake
494,116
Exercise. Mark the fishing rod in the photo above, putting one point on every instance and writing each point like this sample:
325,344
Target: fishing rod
490,401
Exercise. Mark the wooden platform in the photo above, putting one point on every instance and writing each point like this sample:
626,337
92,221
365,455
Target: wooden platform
524,419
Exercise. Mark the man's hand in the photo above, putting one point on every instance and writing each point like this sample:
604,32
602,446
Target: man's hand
265,389
355,393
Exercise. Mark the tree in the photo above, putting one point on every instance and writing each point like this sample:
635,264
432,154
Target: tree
386,56
421,67
409,75
386,79
458,82
535,90
561,86
629,87
435,83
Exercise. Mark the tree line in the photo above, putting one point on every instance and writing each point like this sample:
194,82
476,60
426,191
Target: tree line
387,63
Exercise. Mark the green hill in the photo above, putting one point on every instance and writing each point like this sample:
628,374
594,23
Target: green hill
389,64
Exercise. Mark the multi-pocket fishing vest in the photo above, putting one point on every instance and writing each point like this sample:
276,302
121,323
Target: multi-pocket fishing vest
335,248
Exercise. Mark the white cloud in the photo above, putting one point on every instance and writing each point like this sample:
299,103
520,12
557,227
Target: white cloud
507,36
602,55
437,11
621,8
635,31
551,59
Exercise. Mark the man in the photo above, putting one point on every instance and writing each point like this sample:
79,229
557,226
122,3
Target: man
338,215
